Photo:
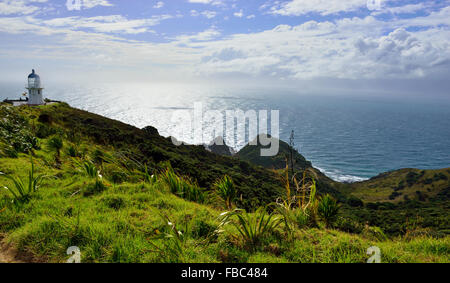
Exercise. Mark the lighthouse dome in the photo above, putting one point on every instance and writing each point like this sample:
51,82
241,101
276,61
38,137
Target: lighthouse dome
33,74
34,81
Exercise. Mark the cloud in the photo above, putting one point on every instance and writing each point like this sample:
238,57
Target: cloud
211,2
206,35
206,14
399,53
86,4
19,7
159,5
108,24
323,7
351,48
239,14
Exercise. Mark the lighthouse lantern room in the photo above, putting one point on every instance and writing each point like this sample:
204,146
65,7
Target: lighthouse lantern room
35,89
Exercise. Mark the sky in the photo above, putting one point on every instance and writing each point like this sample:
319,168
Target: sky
395,45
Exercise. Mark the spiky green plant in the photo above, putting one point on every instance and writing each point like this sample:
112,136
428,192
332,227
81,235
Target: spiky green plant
328,210
88,168
55,144
298,207
147,176
227,191
253,228
23,189
171,180
73,151
182,186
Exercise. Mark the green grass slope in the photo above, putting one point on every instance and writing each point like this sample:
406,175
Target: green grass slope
256,185
127,223
401,185
401,199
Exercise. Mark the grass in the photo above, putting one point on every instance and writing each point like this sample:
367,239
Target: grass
124,224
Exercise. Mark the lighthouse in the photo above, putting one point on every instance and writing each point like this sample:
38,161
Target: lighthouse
35,89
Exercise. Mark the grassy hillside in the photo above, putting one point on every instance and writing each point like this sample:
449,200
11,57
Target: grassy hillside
109,189
401,185
83,129
400,199
127,223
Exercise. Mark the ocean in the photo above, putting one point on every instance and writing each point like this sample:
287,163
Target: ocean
349,136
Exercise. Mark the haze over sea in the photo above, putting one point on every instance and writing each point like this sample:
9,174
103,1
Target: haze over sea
349,136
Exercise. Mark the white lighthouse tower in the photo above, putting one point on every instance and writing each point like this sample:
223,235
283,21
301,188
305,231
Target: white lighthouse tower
35,89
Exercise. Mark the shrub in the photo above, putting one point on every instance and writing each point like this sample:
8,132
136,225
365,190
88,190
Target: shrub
349,225
412,178
355,202
45,118
148,177
23,190
98,157
114,202
182,186
10,152
226,190
394,195
43,131
328,210
202,229
115,173
88,168
73,151
298,208
55,144
440,176
374,233
95,188
252,228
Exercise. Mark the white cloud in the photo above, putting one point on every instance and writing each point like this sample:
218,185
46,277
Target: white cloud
209,14
239,14
323,7
159,5
19,7
211,2
108,24
206,35
348,48
86,4
351,48
206,14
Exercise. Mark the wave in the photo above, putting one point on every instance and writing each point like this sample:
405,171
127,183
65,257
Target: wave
338,176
